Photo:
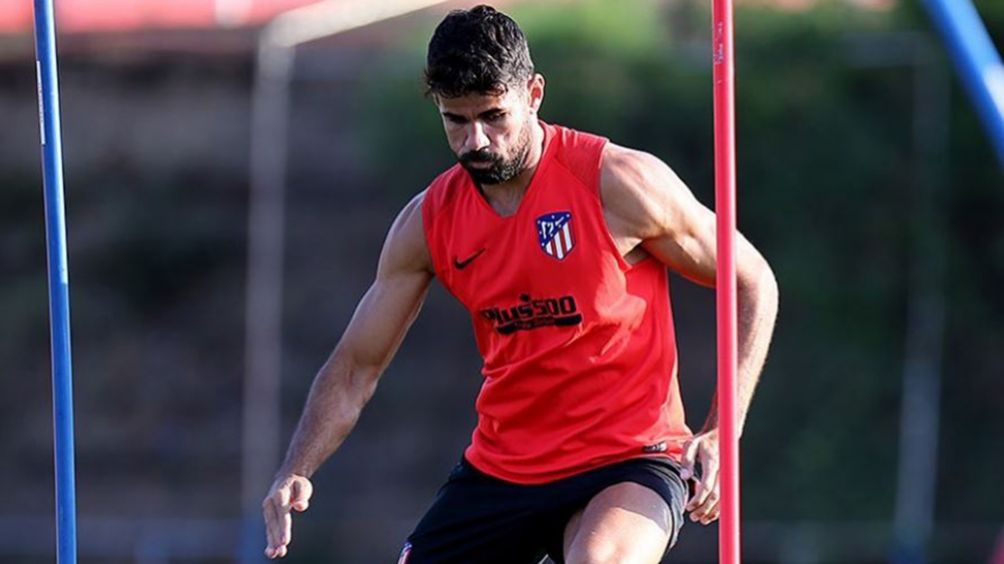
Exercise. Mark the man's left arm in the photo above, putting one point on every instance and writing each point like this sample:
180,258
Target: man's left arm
646,204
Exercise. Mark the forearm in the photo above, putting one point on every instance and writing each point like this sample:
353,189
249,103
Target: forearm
758,300
340,391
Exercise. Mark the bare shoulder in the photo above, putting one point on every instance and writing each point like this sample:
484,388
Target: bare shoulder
641,193
405,248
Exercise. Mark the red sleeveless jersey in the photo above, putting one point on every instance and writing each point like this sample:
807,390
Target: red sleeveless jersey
578,346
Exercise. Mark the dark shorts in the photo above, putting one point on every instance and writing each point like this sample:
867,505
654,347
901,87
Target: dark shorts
478,519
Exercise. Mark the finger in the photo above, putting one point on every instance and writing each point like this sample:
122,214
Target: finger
708,457
270,526
700,491
707,486
701,509
711,513
283,494
277,526
704,509
710,483
286,530
302,490
266,512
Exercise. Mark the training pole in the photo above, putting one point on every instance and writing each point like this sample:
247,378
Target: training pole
725,210
977,60
59,282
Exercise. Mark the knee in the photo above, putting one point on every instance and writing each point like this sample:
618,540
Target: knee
608,551
599,552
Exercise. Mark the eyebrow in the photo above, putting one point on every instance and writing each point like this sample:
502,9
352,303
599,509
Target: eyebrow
483,114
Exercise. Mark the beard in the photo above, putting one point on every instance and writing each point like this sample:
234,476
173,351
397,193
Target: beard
501,169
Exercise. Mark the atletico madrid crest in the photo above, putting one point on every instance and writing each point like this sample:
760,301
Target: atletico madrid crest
554,231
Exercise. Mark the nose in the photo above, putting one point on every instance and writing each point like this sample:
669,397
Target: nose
476,137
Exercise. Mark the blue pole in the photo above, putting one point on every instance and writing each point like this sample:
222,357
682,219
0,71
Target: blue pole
977,61
59,283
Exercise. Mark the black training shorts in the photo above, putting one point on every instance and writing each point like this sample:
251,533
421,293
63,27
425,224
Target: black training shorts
478,519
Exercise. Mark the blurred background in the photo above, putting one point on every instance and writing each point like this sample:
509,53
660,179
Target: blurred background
231,173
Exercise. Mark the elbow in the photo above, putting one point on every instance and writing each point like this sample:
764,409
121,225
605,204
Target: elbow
759,285
768,282
361,381
352,380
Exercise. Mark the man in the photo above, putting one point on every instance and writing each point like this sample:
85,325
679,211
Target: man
558,243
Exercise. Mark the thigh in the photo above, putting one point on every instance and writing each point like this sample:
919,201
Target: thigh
635,481
626,523
476,518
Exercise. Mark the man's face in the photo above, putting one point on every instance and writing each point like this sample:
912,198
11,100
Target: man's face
490,134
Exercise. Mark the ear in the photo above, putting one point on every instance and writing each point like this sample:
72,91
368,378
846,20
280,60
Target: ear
535,86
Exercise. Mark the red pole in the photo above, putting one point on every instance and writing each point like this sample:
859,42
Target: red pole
725,209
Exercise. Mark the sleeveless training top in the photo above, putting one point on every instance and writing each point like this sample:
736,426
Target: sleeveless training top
578,346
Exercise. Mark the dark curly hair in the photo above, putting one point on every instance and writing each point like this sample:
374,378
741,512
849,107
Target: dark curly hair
480,50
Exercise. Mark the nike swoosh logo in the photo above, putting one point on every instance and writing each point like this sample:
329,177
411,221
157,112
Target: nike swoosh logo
462,264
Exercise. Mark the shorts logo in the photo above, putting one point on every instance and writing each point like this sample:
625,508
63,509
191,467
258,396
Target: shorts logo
405,553
654,448
554,232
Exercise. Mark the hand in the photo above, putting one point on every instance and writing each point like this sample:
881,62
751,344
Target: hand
289,492
703,448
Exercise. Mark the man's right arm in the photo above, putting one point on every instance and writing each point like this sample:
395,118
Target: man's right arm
348,379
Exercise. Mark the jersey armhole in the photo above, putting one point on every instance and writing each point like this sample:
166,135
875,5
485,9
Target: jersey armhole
582,155
429,231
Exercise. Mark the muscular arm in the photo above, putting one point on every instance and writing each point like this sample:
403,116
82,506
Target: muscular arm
349,377
649,208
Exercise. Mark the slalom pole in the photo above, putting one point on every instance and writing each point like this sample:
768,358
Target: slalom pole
725,210
977,60
59,284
